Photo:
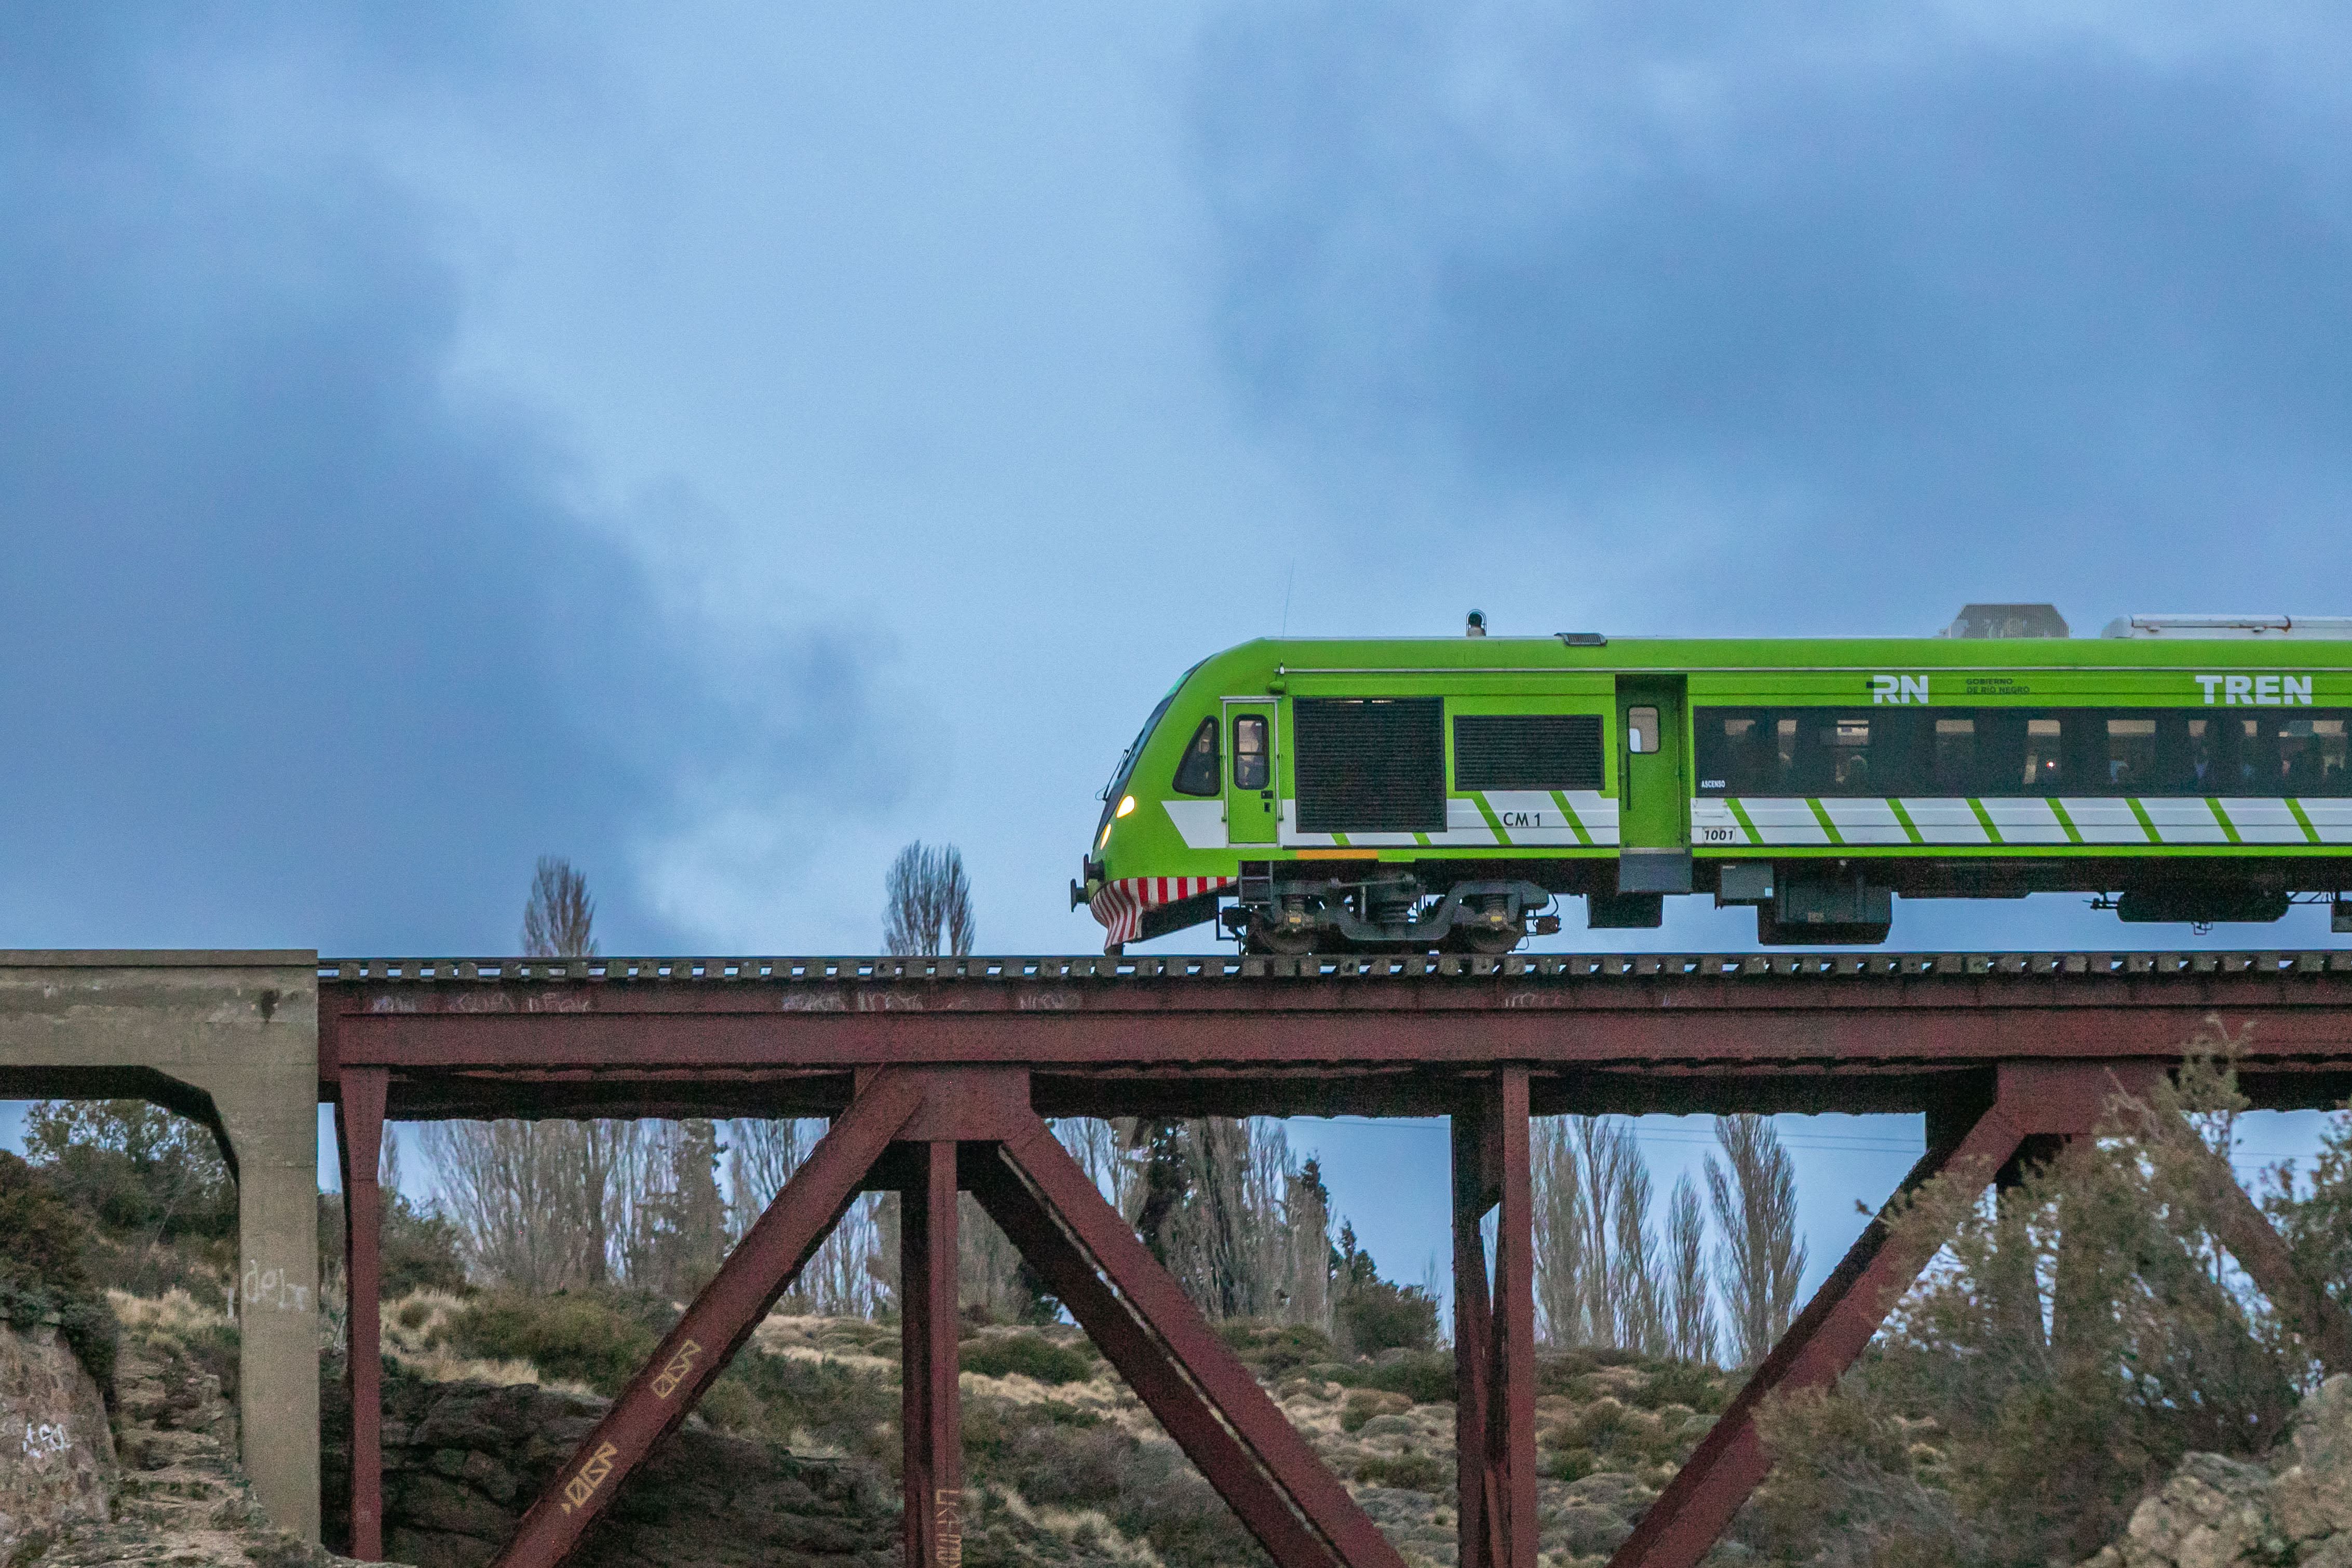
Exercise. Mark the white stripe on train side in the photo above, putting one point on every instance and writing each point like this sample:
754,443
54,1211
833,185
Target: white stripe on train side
2096,820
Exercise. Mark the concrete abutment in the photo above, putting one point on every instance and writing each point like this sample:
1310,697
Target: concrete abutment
232,1039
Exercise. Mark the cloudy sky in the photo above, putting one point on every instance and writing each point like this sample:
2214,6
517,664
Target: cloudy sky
722,443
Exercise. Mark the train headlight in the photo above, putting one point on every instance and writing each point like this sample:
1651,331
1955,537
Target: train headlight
1125,806
1103,839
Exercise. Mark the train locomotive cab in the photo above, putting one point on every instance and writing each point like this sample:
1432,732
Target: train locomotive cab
1448,795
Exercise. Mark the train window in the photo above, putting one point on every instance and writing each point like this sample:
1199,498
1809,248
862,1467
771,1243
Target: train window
1954,765
2044,757
1373,764
1822,751
2131,757
1252,757
1532,750
1734,753
2315,761
1197,774
1641,731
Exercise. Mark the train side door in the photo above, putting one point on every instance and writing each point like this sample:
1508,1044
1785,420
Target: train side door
1653,786
1250,815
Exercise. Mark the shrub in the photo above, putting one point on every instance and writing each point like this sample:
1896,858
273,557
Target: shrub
1366,1403
1027,1355
1380,1316
834,1403
1275,1349
1426,1378
1689,1383
42,1270
575,1336
1412,1470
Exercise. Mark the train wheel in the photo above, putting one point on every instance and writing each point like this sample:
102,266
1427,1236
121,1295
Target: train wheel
1487,941
1262,935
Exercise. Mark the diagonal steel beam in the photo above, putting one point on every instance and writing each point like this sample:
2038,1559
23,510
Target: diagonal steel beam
1833,1328
745,1287
1144,1363
1207,1400
2324,1327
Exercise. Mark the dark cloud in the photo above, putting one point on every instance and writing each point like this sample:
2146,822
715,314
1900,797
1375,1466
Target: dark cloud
296,646
1842,284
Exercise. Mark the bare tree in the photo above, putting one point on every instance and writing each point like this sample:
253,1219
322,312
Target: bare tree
1691,1331
1306,1208
1634,1285
559,919
1760,1261
1560,1233
1101,1147
545,1205
514,1189
840,1280
1607,1154
928,903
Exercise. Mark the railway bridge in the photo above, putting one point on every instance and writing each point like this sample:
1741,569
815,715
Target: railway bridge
937,1074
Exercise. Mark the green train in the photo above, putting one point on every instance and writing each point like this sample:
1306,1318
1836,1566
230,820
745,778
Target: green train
1446,793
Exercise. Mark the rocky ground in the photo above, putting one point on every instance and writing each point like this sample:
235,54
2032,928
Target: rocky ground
792,1465
791,1460
2295,1508
178,1496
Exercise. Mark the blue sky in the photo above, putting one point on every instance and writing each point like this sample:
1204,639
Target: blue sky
722,443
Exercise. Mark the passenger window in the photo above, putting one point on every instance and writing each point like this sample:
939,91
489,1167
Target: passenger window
2043,772
1197,774
2131,756
1641,731
1251,769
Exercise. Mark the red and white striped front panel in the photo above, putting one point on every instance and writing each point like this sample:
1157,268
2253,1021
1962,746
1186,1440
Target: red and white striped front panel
1120,905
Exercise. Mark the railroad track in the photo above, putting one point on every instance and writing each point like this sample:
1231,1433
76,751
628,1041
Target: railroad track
984,970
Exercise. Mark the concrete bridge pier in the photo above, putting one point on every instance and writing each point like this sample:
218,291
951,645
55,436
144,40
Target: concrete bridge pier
230,1039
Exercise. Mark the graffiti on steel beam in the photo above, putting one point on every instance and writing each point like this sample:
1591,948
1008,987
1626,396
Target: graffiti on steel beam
680,1367
581,1487
947,1525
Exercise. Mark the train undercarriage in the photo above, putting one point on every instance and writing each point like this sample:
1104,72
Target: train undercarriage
1296,907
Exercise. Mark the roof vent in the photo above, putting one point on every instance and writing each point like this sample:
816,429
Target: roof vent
2008,621
2232,628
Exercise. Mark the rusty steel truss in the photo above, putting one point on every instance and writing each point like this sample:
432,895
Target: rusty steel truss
938,1075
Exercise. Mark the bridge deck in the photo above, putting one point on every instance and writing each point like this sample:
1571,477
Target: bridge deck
1629,1033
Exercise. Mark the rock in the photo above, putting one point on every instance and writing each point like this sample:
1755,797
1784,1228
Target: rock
470,1457
2313,1497
56,1455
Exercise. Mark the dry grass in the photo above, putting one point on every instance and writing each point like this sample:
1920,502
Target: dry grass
175,1312
413,1328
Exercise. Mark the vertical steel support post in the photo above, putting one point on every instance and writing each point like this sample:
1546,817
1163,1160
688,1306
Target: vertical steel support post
358,1121
930,1413
761,1267
1476,1498
1493,1343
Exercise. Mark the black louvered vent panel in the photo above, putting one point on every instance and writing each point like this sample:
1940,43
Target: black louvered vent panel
1542,751
1371,765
